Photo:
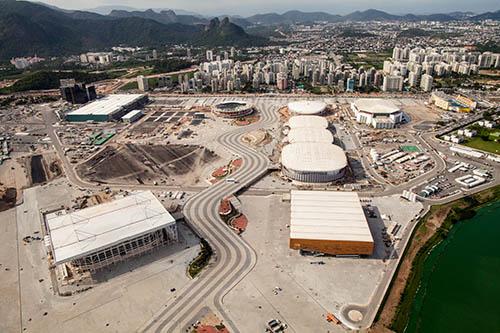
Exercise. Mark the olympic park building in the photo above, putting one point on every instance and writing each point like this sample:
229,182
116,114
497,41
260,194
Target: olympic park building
313,162
306,107
304,134
307,122
311,156
99,236
233,109
376,112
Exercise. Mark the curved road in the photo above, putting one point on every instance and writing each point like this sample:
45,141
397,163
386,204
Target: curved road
234,257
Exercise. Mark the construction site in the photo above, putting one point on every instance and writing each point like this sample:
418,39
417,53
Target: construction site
148,164
184,207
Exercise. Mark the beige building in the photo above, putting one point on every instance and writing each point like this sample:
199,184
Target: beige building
329,222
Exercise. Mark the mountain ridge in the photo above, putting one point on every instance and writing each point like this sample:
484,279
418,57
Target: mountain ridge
47,32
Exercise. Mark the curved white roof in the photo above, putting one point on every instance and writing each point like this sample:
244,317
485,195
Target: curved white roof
303,134
311,157
376,105
306,107
82,232
308,122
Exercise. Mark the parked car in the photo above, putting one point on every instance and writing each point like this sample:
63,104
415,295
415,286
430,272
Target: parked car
275,326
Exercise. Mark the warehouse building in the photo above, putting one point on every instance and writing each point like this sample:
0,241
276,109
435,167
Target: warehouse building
303,134
306,107
470,181
132,116
108,108
313,162
376,112
307,122
329,222
99,236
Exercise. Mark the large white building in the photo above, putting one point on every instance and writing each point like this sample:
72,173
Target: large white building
132,116
412,79
98,236
311,156
142,83
329,222
307,122
426,83
111,107
306,107
393,83
376,112
102,58
303,134
313,162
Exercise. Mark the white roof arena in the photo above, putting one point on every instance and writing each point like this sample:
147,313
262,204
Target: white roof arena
306,107
328,215
303,134
375,106
107,105
313,157
76,234
308,122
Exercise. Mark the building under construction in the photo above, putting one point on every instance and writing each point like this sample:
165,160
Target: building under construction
99,236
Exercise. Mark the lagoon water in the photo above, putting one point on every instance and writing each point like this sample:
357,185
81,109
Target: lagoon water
460,289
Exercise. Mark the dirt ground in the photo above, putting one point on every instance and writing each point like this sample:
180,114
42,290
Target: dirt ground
147,164
421,113
13,176
51,167
420,238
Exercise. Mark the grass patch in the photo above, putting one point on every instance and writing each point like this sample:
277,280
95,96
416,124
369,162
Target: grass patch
144,72
367,60
410,149
479,143
486,139
201,260
459,210
132,85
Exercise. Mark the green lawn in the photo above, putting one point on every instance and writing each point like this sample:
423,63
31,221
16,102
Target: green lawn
479,143
130,86
144,72
367,60
411,149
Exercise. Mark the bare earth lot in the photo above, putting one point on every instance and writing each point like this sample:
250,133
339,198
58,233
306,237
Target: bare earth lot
147,164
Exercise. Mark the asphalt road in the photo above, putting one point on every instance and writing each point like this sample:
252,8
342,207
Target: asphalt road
234,257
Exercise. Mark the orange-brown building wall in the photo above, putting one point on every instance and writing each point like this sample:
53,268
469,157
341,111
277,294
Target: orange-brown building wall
333,247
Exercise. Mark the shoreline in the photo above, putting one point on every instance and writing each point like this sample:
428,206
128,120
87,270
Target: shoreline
431,230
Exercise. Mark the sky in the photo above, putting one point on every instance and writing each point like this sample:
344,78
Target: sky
250,7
